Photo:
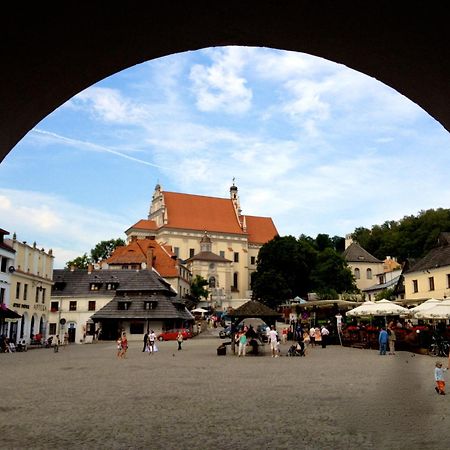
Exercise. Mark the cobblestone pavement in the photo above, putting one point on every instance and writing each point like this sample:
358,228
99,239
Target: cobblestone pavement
335,398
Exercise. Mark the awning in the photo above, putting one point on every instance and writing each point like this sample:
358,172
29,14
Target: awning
6,313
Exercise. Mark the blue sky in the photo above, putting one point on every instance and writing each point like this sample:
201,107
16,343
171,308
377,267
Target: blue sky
317,146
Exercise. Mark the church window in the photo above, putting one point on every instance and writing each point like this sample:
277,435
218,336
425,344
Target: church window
191,252
369,274
212,282
357,274
236,257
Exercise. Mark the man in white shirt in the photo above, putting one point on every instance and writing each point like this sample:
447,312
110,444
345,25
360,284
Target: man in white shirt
324,332
272,336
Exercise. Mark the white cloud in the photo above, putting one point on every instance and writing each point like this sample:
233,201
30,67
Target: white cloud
56,223
220,87
110,105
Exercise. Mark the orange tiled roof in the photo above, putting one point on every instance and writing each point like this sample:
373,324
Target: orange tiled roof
144,225
197,212
260,229
136,253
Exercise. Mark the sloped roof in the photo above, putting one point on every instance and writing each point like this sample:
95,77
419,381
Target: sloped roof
253,308
197,212
208,256
136,253
436,257
143,224
355,253
77,283
260,229
165,308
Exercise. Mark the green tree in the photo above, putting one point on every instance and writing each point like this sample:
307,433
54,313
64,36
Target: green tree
104,249
198,289
80,262
388,294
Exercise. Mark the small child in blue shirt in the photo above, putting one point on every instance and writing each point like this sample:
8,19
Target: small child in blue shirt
439,378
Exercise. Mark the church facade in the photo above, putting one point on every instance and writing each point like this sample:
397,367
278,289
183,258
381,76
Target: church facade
184,221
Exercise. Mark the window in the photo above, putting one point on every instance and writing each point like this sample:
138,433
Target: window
212,282
4,263
431,283
95,286
357,274
54,306
176,250
123,306
91,305
448,280
112,286
44,291
369,274
2,295
236,257
234,288
252,260
25,291
73,305
222,253
17,290
52,328
150,305
415,286
36,297
191,252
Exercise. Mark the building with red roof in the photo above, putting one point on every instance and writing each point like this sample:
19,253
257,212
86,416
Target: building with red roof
180,221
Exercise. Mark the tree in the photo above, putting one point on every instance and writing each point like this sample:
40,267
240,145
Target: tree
198,290
80,262
102,250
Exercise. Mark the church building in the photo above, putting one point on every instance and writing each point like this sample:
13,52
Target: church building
198,227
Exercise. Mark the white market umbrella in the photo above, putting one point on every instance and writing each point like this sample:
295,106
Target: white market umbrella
199,310
439,311
387,308
427,304
366,309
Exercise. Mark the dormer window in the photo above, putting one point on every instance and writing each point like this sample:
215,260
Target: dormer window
112,286
149,305
124,306
95,286
58,286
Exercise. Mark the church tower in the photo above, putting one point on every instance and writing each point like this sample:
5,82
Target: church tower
236,204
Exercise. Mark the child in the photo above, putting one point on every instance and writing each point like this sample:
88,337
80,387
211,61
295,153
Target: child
439,377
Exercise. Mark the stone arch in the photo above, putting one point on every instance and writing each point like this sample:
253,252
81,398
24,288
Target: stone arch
46,62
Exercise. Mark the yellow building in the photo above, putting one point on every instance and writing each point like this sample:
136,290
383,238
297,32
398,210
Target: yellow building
31,283
430,276
364,266
181,220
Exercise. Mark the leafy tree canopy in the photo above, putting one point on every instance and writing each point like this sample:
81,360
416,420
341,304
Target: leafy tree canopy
101,251
198,289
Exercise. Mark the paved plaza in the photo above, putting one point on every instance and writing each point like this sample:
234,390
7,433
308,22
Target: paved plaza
335,398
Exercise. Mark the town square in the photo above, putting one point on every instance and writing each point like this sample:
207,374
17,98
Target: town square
336,398
225,225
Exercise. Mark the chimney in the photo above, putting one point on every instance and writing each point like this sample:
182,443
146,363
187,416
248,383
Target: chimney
90,268
72,268
149,258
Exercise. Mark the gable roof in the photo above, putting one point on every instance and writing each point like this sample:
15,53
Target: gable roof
208,256
253,308
136,253
143,224
436,257
78,282
260,229
355,253
197,212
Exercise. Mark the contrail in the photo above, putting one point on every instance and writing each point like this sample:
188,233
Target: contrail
97,147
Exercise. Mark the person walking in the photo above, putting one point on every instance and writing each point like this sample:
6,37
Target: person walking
391,338
324,334
383,340
124,346
145,341
242,343
151,341
273,341
439,378
179,339
312,336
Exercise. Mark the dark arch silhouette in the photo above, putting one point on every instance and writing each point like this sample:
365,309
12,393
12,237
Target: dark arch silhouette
51,51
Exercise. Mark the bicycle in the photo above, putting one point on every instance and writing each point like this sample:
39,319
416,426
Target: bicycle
439,348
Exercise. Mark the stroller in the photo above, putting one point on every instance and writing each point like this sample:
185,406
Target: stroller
297,350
